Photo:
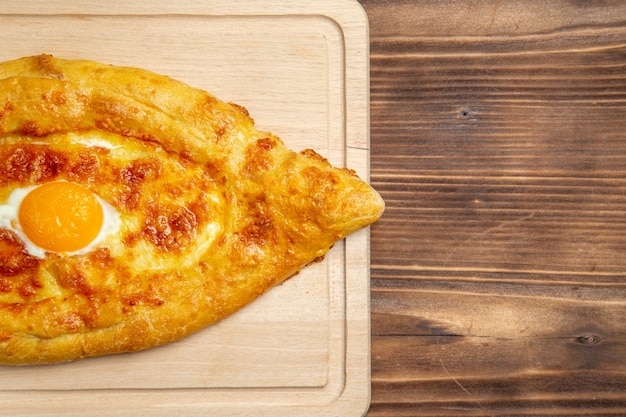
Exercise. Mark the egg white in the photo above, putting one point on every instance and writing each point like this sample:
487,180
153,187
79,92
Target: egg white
9,220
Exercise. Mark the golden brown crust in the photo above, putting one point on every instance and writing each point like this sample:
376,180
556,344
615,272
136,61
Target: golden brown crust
215,212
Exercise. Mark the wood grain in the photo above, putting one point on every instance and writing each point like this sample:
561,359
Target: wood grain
498,271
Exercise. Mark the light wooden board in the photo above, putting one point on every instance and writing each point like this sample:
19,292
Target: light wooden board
301,69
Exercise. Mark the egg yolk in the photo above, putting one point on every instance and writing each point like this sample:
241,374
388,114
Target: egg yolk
61,216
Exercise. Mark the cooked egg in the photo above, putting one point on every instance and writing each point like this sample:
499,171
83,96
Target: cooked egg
60,216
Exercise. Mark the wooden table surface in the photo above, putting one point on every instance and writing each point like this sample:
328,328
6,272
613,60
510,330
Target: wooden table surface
498,277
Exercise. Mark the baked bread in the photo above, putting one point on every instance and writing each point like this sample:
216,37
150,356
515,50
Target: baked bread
136,210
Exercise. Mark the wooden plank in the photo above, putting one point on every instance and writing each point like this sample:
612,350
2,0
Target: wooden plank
498,269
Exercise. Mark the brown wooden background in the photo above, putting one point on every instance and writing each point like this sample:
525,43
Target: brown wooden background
498,133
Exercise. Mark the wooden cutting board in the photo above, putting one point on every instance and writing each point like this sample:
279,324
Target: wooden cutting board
301,69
